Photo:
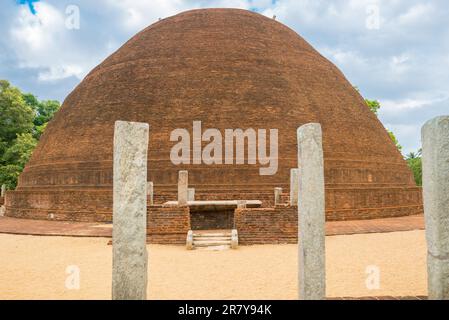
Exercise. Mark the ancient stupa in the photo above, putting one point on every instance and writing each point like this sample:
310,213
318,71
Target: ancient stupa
229,69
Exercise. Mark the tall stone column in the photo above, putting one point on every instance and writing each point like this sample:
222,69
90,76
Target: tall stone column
435,161
3,190
129,259
294,175
150,192
277,196
311,214
183,185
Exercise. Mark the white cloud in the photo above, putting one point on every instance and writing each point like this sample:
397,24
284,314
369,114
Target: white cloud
138,14
40,41
61,72
417,14
403,64
408,136
404,104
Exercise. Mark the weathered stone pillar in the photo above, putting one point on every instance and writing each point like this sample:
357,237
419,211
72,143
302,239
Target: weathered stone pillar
3,190
277,196
435,158
241,204
294,175
311,214
129,260
189,240
190,194
150,192
183,185
234,239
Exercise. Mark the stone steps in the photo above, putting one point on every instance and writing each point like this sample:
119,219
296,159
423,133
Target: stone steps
207,238
211,240
206,243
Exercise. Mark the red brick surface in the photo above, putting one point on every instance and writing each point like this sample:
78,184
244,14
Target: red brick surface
168,225
267,225
229,69
82,229
280,225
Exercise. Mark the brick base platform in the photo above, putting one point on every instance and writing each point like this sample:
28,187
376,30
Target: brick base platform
80,229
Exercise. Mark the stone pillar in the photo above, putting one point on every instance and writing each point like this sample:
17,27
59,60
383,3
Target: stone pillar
189,240
435,161
3,190
311,214
190,194
150,191
277,196
241,204
234,239
183,184
294,175
129,252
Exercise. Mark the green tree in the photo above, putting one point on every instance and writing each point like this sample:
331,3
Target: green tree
23,119
9,175
19,153
16,116
15,159
45,111
414,161
374,105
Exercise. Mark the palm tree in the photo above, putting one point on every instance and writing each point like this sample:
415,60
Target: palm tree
411,155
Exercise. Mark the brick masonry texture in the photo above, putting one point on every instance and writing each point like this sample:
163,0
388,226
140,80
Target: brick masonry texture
229,69
98,229
167,225
267,225
280,224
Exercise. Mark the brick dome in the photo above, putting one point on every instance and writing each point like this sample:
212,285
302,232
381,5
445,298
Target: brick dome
227,68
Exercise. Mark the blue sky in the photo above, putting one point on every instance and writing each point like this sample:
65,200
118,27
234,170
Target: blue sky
396,51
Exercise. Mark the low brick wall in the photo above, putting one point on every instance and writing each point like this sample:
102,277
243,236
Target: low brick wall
2,201
280,224
266,225
372,203
167,225
368,213
62,205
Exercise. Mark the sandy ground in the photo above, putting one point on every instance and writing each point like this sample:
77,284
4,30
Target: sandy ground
37,268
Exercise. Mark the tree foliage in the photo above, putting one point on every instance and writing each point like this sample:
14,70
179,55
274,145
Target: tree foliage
374,105
414,161
16,115
23,119
395,140
413,158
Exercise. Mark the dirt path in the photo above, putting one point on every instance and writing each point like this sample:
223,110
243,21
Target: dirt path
34,267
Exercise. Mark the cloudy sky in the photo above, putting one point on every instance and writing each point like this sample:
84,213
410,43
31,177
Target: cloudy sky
396,51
